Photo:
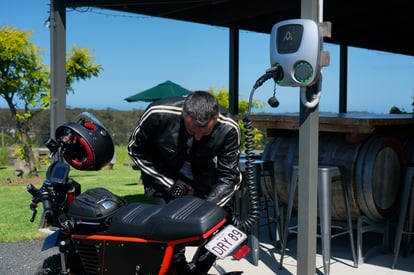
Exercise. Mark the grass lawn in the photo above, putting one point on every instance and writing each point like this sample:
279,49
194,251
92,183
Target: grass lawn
15,213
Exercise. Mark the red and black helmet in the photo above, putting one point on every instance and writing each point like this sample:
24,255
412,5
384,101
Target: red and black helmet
88,145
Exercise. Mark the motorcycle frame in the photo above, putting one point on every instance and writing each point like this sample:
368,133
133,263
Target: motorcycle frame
167,255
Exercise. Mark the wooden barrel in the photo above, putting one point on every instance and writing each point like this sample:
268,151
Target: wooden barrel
372,170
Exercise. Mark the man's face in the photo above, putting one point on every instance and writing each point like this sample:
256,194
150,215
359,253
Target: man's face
196,131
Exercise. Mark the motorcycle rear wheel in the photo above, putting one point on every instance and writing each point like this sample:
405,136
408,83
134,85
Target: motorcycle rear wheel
52,266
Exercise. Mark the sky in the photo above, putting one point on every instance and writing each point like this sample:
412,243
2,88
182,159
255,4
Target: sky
138,52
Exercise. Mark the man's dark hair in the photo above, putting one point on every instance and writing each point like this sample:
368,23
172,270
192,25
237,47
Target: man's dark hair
201,106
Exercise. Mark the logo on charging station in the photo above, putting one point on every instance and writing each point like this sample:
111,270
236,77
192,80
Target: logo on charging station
288,36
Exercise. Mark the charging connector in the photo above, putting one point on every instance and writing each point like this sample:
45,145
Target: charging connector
275,72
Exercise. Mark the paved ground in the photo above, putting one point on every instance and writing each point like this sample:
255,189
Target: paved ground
378,262
23,258
377,259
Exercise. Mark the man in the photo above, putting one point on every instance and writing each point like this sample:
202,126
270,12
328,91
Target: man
185,145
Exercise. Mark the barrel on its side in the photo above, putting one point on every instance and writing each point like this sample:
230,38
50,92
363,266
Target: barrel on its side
372,170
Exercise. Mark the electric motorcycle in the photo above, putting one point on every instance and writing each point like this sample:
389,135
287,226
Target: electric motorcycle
97,232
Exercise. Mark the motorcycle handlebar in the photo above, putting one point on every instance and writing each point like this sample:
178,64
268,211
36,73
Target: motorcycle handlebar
42,195
47,204
32,190
33,208
35,199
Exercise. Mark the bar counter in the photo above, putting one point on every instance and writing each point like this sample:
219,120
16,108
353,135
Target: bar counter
348,123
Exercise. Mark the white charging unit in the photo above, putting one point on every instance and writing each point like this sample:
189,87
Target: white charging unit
295,46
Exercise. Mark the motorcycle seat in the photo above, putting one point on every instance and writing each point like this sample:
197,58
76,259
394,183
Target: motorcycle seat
184,217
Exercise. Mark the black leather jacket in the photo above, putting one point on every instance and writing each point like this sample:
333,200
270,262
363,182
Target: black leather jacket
159,146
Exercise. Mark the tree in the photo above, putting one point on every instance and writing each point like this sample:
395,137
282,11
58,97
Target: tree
396,110
222,96
25,82
79,66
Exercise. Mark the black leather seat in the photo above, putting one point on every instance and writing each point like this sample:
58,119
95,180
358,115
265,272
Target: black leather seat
184,217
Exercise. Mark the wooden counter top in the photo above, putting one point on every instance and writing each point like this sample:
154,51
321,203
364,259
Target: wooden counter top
350,123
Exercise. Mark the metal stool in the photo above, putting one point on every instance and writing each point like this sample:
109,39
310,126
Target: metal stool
325,176
263,173
270,201
407,192
364,224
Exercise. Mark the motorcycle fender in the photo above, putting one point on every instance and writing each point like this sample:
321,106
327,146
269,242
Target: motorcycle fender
51,240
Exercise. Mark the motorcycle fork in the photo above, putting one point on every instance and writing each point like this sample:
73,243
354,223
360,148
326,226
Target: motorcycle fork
63,246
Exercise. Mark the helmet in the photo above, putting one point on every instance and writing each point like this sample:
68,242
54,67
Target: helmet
87,145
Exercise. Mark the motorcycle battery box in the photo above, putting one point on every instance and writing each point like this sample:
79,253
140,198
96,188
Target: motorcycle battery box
95,207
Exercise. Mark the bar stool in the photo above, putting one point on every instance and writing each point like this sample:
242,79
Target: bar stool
326,174
263,174
270,201
407,192
364,224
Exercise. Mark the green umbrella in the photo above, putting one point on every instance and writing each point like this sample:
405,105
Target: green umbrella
166,89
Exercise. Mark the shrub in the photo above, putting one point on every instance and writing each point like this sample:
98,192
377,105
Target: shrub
4,158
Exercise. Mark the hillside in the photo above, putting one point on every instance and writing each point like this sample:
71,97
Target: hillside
119,123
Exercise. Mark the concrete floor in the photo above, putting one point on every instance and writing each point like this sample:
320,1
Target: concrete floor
376,258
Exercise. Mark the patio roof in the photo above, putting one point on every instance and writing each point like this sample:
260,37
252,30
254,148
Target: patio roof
370,24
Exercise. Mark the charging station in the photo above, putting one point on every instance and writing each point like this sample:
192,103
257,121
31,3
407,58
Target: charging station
295,46
296,59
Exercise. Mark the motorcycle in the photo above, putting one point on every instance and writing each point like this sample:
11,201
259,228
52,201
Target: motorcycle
97,232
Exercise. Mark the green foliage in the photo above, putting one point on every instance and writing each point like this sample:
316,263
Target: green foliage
14,199
222,96
15,214
4,158
119,123
79,66
122,156
6,139
23,74
396,110
24,77
257,136
25,81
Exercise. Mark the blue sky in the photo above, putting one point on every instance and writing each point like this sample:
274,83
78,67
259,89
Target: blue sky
139,52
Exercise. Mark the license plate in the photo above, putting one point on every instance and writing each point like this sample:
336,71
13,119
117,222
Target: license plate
226,241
